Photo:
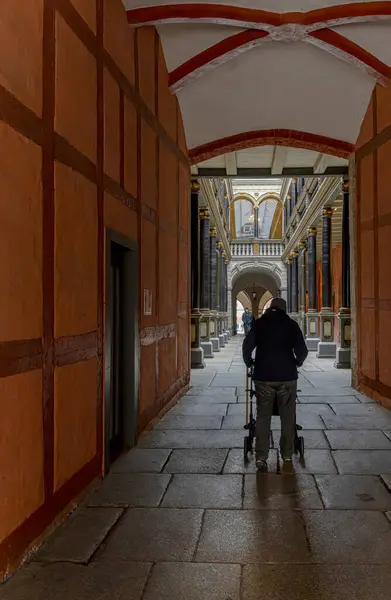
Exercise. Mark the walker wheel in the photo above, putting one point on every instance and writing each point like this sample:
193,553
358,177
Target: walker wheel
301,447
246,448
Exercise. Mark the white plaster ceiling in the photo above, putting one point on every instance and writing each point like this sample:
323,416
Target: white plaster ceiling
248,66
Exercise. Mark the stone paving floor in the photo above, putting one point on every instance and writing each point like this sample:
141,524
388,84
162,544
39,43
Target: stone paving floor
182,517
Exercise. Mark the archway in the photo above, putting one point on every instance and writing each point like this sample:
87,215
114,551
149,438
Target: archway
255,281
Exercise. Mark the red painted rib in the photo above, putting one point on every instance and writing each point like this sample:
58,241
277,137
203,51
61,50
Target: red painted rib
216,51
246,16
339,41
268,137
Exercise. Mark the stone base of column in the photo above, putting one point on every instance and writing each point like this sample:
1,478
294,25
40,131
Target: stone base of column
215,344
197,358
228,334
343,359
295,317
312,340
207,347
222,340
225,334
327,348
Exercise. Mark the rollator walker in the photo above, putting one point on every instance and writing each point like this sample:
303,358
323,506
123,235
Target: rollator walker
251,420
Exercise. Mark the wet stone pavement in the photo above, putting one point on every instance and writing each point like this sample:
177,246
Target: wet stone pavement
182,516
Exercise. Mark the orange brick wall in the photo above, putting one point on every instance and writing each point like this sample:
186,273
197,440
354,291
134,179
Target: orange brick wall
373,241
91,138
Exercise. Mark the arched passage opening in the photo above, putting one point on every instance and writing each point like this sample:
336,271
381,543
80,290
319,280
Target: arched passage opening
256,283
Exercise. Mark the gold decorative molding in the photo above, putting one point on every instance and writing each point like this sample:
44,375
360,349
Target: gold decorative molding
327,211
311,231
204,213
219,244
303,244
345,185
294,254
213,232
195,186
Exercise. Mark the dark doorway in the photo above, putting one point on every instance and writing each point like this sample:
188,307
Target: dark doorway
121,347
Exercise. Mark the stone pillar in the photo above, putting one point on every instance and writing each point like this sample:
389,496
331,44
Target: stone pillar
223,298
219,259
302,285
226,330
289,206
256,224
196,351
206,344
294,285
213,292
327,347
294,193
344,316
312,338
289,284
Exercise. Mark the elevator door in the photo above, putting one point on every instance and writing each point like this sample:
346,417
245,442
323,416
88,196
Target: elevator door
116,405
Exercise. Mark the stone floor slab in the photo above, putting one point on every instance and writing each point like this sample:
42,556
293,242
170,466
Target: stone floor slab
343,536
199,410
159,438
358,440
208,399
353,492
314,461
324,582
322,398
387,481
252,536
196,461
313,439
180,581
236,464
79,537
204,491
235,421
177,421
361,410
141,461
280,492
200,391
354,422
155,534
363,462
307,421
98,581
137,489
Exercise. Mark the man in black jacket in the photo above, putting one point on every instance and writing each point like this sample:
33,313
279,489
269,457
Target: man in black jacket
280,349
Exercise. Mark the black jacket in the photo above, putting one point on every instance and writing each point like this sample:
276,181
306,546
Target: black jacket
280,345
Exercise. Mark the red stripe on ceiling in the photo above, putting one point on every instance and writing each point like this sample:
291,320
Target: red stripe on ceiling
269,137
250,17
340,42
216,51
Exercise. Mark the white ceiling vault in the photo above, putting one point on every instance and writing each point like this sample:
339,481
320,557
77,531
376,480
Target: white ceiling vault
249,73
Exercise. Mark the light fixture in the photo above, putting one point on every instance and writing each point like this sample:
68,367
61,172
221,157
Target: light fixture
254,292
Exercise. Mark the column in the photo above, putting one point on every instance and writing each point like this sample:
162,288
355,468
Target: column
206,344
219,259
294,193
213,292
344,316
223,294
226,330
302,285
312,338
196,352
289,284
327,347
294,285
256,224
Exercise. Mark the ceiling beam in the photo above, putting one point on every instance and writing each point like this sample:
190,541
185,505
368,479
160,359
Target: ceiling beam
321,164
279,157
231,166
249,173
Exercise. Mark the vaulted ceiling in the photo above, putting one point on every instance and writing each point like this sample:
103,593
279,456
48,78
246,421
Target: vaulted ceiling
258,72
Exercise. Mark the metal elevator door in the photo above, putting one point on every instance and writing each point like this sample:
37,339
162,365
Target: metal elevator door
116,408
